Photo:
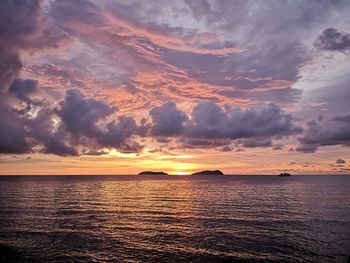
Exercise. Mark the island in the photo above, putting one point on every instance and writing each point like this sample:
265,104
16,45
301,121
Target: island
152,173
284,174
209,172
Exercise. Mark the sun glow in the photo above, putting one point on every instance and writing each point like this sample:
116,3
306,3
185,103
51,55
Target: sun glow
179,168
181,173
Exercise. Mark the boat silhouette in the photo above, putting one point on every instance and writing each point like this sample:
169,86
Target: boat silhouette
284,174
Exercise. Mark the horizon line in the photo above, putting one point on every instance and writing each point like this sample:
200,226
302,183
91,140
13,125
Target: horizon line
175,175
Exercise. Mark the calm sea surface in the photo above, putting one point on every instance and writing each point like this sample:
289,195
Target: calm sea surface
175,219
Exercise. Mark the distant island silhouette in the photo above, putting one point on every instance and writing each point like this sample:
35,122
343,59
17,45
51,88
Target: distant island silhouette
152,173
284,174
209,172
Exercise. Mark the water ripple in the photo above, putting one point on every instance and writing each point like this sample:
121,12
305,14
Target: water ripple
133,219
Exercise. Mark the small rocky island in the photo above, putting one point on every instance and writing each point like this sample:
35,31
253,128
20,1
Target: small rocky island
284,174
152,173
209,172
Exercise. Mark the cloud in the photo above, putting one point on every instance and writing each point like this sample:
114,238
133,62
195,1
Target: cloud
87,117
22,89
78,10
277,147
191,58
18,20
117,134
192,143
82,124
323,132
59,148
211,121
167,120
45,137
306,148
210,126
20,133
10,66
333,40
139,55
80,115
22,28
12,130
253,143
226,148
340,161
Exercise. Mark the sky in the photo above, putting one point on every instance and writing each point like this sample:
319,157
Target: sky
118,87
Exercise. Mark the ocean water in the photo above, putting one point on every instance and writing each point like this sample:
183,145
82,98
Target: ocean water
175,219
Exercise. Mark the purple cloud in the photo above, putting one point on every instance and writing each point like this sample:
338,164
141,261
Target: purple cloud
209,125
211,121
22,89
335,131
80,115
167,120
87,117
333,40
191,51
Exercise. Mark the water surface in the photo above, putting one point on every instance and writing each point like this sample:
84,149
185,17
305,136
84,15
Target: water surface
175,219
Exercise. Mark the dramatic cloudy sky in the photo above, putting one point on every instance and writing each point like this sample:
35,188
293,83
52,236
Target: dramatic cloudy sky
111,87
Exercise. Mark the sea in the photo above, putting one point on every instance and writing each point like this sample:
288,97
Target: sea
175,218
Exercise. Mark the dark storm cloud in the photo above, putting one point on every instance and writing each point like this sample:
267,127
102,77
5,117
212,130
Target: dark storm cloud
306,148
86,117
167,120
203,143
42,132
256,142
210,126
333,40
23,29
211,121
342,118
12,130
118,133
59,148
82,123
18,20
20,134
80,115
22,89
335,131
340,161
225,148
94,152
10,66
